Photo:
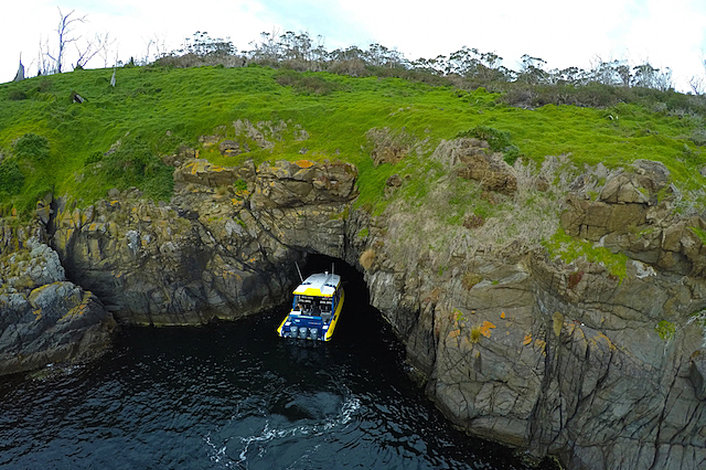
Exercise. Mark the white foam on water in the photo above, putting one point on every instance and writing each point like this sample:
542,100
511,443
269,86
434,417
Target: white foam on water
217,454
217,450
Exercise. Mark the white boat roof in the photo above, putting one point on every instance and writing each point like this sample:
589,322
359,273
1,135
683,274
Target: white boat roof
319,284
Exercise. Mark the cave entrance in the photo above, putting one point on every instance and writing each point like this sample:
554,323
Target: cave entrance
352,279
358,316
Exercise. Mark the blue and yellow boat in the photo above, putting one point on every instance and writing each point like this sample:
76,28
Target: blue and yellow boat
316,308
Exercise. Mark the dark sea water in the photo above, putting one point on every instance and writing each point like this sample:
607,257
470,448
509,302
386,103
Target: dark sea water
235,396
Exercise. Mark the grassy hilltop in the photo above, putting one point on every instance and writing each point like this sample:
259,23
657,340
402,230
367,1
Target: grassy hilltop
117,136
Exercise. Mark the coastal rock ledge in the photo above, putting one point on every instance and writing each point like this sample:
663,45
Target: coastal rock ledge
597,359
45,318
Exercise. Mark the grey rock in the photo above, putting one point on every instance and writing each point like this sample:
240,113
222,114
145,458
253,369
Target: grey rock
45,318
697,373
229,148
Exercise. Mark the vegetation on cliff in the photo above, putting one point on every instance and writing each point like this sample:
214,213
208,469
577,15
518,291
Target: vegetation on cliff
117,136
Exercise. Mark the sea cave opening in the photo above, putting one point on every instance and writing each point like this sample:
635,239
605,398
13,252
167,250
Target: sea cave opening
352,278
358,316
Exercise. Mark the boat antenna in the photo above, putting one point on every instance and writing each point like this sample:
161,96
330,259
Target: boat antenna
299,271
332,268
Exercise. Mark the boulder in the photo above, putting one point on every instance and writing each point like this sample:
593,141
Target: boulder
472,159
287,184
639,185
389,146
229,148
622,190
45,318
204,173
393,183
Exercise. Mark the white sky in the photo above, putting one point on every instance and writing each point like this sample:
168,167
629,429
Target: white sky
667,33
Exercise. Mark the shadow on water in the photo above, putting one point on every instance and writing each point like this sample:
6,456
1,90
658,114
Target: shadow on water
235,395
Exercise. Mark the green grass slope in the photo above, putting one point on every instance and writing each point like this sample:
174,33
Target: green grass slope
115,138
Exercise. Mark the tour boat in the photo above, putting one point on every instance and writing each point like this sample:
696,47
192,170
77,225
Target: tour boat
316,308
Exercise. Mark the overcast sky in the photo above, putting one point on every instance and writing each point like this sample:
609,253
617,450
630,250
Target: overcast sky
667,33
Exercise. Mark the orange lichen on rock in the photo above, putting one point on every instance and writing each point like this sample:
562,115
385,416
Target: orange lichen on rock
607,340
485,328
304,163
527,340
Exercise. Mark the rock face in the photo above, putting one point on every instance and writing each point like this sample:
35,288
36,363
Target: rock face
389,146
224,248
560,359
43,317
472,159
629,217
553,357
480,164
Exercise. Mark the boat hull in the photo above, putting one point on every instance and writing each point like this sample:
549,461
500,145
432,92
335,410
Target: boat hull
310,327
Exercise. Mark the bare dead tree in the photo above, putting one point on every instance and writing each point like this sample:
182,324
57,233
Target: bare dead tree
156,49
101,45
160,49
64,36
44,66
105,43
697,85
85,55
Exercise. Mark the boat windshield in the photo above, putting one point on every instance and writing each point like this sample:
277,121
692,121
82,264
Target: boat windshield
309,305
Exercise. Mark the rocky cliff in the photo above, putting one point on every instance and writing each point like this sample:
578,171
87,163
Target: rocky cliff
223,248
603,369
522,336
44,318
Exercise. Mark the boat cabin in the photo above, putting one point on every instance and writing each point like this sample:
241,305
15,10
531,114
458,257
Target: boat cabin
316,306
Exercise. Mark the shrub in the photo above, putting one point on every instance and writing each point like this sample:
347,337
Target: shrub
17,95
305,84
352,67
475,334
698,137
45,85
133,164
240,185
128,161
33,147
11,177
499,141
95,157
665,329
